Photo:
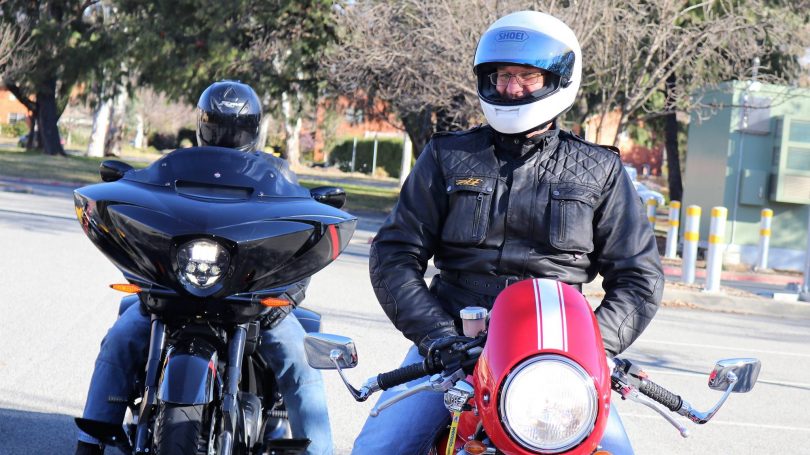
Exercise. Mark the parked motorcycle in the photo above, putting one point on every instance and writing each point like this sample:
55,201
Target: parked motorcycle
531,378
208,239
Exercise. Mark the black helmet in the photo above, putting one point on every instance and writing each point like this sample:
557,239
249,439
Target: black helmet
228,115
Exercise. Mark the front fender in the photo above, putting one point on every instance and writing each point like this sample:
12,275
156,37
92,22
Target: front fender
189,373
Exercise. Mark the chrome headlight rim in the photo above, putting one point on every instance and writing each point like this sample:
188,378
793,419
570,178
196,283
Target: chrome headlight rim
222,260
587,381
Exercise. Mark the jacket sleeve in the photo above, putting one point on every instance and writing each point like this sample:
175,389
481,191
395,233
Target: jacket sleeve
401,249
628,260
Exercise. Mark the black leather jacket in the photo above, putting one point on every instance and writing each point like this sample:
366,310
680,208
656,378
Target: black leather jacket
552,206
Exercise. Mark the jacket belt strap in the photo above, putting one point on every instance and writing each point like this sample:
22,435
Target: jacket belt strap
490,285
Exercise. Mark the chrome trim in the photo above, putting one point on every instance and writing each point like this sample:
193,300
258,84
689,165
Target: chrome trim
586,378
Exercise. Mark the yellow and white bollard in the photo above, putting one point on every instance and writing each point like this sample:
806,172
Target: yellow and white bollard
764,238
691,235
671,250
714,257
652,204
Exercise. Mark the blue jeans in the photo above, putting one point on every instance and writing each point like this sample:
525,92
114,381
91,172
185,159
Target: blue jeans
407,427
125,348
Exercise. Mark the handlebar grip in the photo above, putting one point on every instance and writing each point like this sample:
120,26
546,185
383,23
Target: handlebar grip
670,400
401,376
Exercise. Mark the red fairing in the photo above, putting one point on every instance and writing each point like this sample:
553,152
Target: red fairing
538,317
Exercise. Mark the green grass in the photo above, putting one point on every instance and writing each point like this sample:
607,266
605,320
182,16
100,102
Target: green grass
18,163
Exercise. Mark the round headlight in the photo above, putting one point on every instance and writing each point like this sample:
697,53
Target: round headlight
201,263
549,404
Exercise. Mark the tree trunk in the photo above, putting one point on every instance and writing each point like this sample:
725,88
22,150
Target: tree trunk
101,124
292,131
46,107
261,143
115,134
139,142
419,127
671,145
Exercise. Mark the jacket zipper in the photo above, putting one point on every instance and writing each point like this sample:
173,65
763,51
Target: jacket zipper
477,219
561,236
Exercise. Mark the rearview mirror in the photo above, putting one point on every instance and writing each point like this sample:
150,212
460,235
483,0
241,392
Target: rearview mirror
113,170
746,372
328,352
329,195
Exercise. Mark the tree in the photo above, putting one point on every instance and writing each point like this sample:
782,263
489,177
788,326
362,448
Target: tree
416,57
276,47
64,48
673,48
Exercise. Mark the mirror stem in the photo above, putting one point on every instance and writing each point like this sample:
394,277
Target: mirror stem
371,386
703,417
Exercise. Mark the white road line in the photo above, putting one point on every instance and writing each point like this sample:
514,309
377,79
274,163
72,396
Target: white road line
760,380
729,348
721,422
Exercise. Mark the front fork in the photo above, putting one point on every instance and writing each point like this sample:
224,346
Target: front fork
157,341
230,403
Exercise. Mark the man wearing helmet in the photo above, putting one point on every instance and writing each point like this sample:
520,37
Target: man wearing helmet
228,115
515,199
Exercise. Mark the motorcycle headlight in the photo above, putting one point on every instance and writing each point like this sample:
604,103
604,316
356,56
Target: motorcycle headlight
549,404
201,263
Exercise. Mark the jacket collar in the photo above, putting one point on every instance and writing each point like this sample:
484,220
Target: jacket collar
515,146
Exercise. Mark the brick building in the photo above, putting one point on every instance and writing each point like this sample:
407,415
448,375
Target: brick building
11,110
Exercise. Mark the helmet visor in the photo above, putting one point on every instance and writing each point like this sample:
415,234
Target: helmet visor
522,46
238,132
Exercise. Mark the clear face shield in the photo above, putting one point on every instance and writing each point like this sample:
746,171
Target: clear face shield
520,46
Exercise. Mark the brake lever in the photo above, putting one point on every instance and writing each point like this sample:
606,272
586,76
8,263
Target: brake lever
436,383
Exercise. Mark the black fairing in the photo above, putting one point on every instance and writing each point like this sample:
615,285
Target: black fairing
275,233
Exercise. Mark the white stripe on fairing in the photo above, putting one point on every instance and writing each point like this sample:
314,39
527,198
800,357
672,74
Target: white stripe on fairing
564,321
552,316
538,315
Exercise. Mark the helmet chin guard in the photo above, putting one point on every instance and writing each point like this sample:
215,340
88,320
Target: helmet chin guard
532,39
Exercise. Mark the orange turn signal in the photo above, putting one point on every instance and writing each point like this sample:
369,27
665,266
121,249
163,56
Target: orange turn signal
274,302
602,452
129,288
474,447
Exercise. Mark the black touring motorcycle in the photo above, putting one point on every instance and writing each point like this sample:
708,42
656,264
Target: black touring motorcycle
208,239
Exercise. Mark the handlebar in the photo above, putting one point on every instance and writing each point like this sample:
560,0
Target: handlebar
401,375
661,395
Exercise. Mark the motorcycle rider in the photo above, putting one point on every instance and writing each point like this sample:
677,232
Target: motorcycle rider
229,115
515,199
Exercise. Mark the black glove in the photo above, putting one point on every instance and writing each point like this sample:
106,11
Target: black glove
432,337
448,353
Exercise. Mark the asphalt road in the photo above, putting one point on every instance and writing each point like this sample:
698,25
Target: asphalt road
55,307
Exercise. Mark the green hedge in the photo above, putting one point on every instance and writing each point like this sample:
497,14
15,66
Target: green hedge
389,155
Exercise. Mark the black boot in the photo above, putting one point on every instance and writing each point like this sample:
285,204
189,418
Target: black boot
85,448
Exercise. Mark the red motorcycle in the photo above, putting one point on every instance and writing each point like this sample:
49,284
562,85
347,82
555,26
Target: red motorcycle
532,378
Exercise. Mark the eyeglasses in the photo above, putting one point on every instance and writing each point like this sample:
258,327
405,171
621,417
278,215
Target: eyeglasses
502,79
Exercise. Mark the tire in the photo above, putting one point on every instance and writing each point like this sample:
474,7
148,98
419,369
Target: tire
179,428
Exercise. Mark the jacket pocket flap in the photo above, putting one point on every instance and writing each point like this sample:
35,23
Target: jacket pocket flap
485,185
574,193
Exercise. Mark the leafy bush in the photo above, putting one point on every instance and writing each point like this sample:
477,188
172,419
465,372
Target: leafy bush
14,129
389,156
163,141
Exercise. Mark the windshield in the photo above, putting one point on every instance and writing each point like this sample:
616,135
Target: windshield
265,174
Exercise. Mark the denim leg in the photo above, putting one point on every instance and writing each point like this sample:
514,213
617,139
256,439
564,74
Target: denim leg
405,427
615,439
123,351
302,387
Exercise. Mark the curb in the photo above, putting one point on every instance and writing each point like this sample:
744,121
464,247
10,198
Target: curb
713,301
763,278
22,180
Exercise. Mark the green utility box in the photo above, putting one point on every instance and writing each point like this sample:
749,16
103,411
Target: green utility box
747,151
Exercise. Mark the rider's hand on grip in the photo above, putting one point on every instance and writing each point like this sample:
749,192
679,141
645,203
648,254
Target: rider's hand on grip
447,353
